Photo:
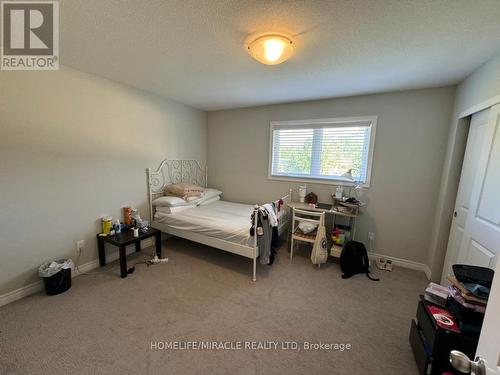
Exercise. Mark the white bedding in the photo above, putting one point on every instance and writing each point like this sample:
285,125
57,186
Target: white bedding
223,220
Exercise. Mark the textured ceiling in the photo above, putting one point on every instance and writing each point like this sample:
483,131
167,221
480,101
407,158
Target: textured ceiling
193,50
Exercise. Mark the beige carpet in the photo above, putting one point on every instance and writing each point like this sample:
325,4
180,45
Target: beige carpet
105,324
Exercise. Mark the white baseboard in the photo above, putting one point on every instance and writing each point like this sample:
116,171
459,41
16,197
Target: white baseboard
147,243
21,293
89,266
93,264
405,263
86,267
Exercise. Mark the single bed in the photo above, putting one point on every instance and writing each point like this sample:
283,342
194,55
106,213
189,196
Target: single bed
220,224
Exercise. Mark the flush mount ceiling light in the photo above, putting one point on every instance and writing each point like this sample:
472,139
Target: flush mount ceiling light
271,49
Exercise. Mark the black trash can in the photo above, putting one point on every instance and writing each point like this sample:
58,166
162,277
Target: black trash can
56,275
58,283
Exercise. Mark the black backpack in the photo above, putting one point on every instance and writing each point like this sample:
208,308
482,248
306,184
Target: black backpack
354,260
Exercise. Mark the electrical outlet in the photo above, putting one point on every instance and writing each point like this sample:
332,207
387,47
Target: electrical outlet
80,245
371,236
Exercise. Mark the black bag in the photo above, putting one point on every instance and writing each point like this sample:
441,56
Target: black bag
354,260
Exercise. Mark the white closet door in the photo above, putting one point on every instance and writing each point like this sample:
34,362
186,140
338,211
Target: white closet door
481,239
477,130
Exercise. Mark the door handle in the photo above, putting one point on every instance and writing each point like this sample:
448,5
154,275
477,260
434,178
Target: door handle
463,364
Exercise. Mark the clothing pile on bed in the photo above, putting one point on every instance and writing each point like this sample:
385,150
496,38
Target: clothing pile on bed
267,231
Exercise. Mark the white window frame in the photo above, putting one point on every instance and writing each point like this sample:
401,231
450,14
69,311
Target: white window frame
324,121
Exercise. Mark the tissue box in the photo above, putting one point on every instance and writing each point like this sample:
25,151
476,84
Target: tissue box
436,294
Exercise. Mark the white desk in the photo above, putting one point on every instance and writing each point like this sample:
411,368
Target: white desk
306,206
352,217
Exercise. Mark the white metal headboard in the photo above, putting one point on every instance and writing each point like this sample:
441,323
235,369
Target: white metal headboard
173,171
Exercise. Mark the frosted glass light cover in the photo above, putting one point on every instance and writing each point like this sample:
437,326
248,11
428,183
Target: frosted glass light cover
271,49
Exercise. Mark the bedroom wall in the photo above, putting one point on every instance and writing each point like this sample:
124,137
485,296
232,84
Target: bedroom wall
410,144
74,147
478,91
481,85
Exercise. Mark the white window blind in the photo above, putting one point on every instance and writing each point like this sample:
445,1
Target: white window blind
322,149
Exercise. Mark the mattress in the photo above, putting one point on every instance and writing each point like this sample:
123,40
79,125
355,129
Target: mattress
222,220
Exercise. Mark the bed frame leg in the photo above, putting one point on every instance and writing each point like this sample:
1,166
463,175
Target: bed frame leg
254,269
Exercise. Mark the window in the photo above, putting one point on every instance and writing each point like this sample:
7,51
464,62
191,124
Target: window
323,150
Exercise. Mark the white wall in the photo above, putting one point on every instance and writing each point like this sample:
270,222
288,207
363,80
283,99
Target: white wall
412,134
74,147
473,94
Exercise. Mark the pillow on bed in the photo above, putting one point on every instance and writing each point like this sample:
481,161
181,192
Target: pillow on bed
208,201
172,210
171,201
184,190
209,194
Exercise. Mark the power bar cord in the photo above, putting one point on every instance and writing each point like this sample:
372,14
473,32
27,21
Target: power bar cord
148,262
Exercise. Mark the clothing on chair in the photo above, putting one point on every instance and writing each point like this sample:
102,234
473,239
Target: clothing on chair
274,245
264,241
268,240
273,218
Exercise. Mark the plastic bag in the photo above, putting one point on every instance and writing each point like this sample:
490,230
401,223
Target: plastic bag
51,268
306,227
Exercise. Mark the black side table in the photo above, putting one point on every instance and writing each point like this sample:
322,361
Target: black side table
122,240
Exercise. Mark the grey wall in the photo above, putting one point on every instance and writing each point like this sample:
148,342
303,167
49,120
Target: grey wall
481,85
412,134
472,93
74,147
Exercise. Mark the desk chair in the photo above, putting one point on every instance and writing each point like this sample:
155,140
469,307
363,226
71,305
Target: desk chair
317,218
